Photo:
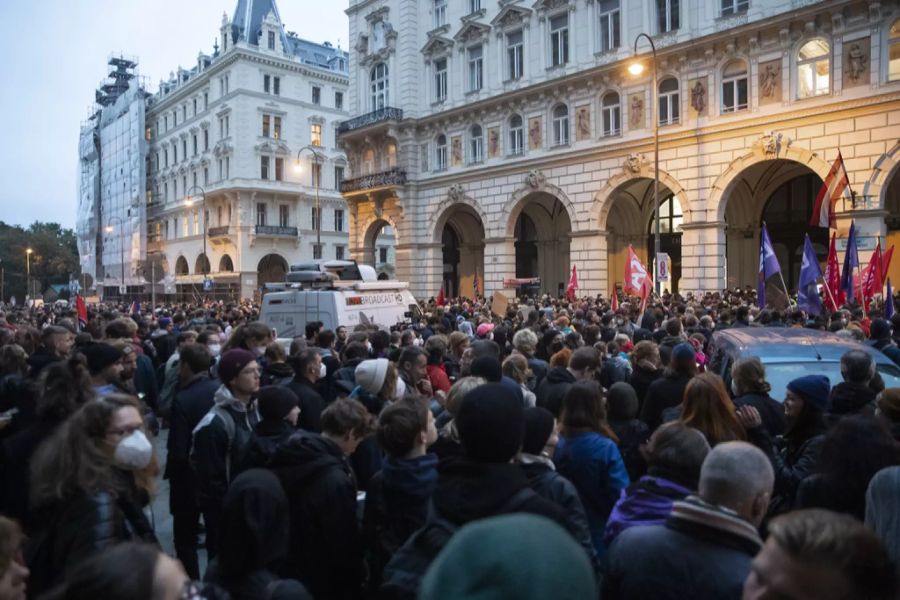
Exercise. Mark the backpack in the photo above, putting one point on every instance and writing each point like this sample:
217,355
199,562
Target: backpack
230,431
407,567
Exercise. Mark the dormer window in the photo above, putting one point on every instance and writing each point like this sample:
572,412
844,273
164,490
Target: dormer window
271,40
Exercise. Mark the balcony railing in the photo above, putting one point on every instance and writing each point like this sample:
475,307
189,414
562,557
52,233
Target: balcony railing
375,180
388,113
276,230
217,231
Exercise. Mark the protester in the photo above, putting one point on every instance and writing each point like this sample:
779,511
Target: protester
853,395
887,407
105,365
645,368
13,572
750,388
279,413
581,367
708,409
525,343
276,371
881,509
308,369
448,443
668,391
632,433
880,335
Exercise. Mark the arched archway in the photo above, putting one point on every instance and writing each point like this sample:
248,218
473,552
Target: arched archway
460,230
226,265
201,265
542,228
378,247
272,268
181,266
781,193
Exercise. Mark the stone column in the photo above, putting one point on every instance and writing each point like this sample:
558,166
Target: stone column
702,257
420,265
588,253
499,263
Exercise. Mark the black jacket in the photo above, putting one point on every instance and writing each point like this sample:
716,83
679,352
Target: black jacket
888,347
663,393
793,461
817,491
553,388
78,528
326,552
276,374
539,369
641,379
311,404
632,434
267,438
190,405
850,399
771,411
344,379
15,469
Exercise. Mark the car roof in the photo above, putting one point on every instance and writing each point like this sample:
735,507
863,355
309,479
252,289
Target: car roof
789,344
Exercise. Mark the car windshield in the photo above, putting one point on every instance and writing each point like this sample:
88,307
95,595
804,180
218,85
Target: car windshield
779,374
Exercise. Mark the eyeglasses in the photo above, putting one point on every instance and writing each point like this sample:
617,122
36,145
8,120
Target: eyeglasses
125,431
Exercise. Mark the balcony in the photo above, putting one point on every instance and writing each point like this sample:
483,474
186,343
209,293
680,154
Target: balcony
392,177
276,230
217,231
388,113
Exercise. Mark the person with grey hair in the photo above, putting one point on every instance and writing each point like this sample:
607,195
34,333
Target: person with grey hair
816,554
881,509
706,546
525,343
853,395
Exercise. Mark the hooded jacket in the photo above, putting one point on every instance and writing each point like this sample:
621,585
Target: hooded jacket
267,438
311,404
645,502
326,547
276,374
553,388
849,399
663,393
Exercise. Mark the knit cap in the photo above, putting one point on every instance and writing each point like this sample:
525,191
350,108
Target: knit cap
491,423
232,362
370,375
100,355
538,427
275,402
813,389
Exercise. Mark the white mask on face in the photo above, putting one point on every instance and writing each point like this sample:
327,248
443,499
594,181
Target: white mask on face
417,341
399,389
215,349
323,371
259,350
369,346
134,452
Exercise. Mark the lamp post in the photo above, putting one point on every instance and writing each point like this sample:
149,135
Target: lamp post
189,201
319,158
109,229
636,68
28,252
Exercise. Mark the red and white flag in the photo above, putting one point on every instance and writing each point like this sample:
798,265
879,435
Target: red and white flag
832,188
81,309
637,280
614,302
573,285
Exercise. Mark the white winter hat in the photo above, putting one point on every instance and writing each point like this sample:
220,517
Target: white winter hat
370,374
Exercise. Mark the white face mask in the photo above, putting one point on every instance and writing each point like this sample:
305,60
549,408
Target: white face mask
134,452
417,341
323,371
734,388
259,350
369,346
215,349
399,389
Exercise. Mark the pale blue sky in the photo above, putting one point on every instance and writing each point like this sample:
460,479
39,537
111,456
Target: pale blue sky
54,55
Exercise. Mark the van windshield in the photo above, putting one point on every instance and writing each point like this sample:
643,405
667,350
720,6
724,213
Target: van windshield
780,374
414,311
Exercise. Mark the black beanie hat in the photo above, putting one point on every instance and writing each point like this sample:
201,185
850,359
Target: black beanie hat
487,367
274,402
491,423
100,355
538,427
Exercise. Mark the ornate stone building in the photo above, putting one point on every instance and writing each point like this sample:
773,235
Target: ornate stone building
508,138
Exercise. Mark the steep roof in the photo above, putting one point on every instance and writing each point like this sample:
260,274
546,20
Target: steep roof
248,18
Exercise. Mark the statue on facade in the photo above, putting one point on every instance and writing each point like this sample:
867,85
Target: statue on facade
584,122
698,97
493,142
637,112
856,63
768,81
456,193
535,179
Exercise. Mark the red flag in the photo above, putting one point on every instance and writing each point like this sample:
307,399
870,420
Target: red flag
573,285
637,281
873,275
475,286
614,303
886,264
81,308
832,189
833,278
441,301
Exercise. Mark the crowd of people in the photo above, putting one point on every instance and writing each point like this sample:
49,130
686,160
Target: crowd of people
561,449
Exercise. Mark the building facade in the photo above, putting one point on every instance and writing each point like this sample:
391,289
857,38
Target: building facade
234,152
505,139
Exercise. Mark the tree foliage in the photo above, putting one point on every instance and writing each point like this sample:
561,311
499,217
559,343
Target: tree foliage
54,257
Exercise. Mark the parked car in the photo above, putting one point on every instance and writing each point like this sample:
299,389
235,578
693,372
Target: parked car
788,353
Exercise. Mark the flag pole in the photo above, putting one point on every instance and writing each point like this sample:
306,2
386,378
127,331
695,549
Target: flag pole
830,295
783,285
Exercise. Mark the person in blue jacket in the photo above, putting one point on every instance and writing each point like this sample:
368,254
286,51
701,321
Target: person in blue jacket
587,455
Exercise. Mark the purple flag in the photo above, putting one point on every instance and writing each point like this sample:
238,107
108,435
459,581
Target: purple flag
810,271
851,260
768,266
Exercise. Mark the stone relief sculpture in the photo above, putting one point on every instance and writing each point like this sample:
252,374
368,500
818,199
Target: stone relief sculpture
456,192
493,142
456,150
535,179
636,112
857,61
698,97
633,163
583,120
535,140
768,81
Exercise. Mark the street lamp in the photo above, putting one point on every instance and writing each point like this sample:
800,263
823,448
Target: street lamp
636,68
109,229
319,158
28,252
189,201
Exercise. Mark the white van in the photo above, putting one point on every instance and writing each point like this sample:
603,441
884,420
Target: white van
317,295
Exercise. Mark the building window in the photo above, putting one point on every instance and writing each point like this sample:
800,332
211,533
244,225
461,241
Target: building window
205,100
338,219
440,79
474,6
338,177
894,52
266,125
476,68
368,161
271,40
221,172
317,251
174,153
166,156
515,61
379,86
194,144
227,167
476,144
814,69
440,13
315,221
263,167
440,154
205,140
267,83
195,107
668,101
561,125
516,135
609,25
165,192
205,175
382,255
734,87
276,86
559,40
731,7
339,253
184,153
315,134
174,228
276,128
184,112
283,215
339,100
316,94
667,12
279,169
612,114
261,214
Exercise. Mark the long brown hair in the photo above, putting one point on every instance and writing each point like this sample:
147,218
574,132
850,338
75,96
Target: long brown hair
584,410
78,459
707,408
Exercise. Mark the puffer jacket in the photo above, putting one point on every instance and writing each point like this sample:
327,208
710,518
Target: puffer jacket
553,388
